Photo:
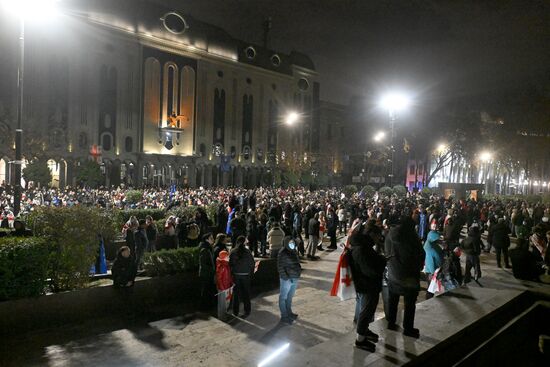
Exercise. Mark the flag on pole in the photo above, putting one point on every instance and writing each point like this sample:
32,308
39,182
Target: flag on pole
342,286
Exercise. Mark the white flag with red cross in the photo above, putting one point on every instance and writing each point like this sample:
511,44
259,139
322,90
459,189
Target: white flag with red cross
342,286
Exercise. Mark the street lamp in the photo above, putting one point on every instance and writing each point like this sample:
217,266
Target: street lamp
379,136
22,9
394,102
441,148
291,118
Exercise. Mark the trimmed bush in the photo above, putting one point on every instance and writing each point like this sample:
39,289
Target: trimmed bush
385,191
72,233
368,191
400,190
182,211
349,190
134,196
170,262
23,267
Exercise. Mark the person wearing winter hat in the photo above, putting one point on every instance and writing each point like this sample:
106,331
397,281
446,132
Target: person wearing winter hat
288,265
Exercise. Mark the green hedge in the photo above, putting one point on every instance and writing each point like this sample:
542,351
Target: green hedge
23,267
169,262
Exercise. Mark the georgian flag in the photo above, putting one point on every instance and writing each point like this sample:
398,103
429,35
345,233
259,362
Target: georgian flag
342,285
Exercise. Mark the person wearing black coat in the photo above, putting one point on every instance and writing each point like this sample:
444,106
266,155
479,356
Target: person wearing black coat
252,233
220,245
242,266
406,257
525,264
238,227
141,242
471,246
207,272
124,269
332,226
367,269
498,237
313,228
288,265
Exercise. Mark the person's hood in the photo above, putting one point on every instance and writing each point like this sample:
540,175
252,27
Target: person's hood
433,236
286,242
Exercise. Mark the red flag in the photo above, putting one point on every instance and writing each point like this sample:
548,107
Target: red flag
342,286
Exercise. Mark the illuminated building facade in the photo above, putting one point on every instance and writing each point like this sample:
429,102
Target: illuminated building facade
157,96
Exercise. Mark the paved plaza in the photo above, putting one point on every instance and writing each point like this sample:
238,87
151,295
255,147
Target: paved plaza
324,323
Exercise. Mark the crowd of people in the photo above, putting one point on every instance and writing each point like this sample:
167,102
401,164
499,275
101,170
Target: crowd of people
391,241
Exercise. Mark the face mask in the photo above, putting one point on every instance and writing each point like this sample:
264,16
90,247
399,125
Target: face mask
292,245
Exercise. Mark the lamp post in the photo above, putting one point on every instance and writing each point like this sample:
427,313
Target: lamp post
393,103
22,8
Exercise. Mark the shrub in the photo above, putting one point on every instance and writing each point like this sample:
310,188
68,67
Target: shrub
368,191
400,190
72,234
170,262
385,191
349,190
183,211
23,267
212,212
426,191
134,196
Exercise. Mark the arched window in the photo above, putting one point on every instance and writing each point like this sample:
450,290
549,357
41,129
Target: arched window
170,103
151,107
219,116
106,141
128,144
187,95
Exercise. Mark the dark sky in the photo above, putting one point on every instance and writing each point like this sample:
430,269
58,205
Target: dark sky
436,49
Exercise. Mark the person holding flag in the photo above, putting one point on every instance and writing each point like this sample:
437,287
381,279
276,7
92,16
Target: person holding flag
367,269
224,283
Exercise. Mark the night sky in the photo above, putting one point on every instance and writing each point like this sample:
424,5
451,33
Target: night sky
438,50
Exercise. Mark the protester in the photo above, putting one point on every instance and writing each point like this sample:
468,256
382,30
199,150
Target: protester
220,244
313,226
472,246
152,234
434,257
207,271
275,240
288,265
405,260
499,239
242,265
367,268
224,282
124,269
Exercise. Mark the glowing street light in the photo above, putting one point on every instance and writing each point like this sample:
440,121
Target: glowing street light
485,156
30,8
394,102
379,136
23,9
291,118
442,148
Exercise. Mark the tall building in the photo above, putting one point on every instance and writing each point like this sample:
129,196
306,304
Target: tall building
155,95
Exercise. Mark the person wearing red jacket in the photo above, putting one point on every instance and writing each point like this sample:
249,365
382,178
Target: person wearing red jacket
224,283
